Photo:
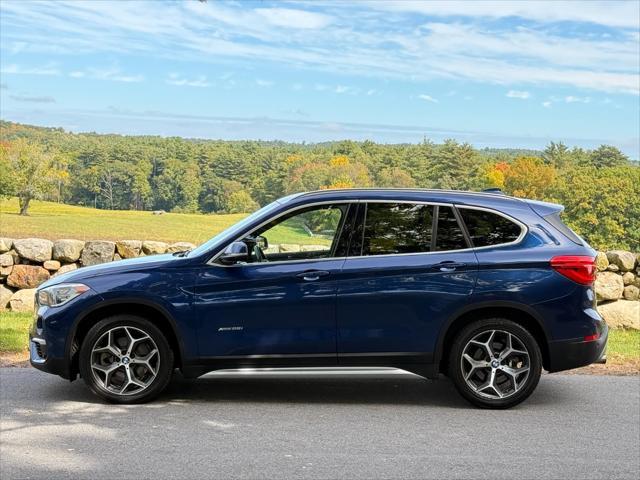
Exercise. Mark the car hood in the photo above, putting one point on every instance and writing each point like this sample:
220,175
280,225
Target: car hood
120,266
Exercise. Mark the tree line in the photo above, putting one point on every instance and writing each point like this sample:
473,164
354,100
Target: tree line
600,188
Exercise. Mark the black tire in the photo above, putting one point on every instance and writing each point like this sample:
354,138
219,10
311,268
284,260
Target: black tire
517,387
163,363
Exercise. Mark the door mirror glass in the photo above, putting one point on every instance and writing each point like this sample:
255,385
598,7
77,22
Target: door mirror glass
235,253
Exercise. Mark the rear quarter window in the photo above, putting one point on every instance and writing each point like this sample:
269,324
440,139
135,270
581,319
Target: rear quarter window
555,220
488,229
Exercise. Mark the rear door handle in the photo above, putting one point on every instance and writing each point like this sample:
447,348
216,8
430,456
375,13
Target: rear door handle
448,266
312,275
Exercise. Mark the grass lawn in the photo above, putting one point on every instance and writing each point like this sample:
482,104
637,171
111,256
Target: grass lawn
623,347
14,330
55,220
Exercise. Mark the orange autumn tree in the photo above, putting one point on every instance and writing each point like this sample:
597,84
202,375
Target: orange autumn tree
529,177
494,175
338,172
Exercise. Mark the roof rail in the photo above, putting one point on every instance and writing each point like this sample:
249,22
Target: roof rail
495,191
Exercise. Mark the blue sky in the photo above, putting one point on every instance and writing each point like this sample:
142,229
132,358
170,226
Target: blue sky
506,74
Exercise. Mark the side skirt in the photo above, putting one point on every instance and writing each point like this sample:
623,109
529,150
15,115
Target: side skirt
413,363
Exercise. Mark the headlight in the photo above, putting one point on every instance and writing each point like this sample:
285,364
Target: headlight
57,295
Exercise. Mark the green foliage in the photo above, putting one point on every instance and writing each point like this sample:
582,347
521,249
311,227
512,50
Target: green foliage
601,204
395,177
29,171
241,202
607,156
599,188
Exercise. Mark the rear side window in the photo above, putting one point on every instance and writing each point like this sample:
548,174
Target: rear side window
449,236
392,228
487,229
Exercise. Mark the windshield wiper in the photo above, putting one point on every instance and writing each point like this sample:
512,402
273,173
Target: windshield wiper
181,253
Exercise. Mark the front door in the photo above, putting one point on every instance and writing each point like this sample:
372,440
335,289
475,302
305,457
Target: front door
413,272
279,302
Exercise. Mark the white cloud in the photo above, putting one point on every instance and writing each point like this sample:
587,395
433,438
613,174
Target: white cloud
296,86
518,94
610,13
371,91
355,40
427,98
572,99
547,104
15,69
178,80
290,18
33,98
112,74
341,89
264,83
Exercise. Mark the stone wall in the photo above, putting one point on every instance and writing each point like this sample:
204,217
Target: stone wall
618,288
26,263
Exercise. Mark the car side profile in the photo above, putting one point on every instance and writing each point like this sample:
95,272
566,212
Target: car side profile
482,287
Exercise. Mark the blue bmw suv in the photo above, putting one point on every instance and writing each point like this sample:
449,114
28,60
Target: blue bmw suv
484,288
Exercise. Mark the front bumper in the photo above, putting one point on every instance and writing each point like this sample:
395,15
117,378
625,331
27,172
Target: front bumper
568,354
39,359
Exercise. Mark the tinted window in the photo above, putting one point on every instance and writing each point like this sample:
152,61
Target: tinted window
397,228
450,236
554,219
486,228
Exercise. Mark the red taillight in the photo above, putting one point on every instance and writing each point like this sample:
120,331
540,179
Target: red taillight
581,269
591,338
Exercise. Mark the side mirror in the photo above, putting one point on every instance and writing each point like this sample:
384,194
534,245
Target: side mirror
262,242
234,253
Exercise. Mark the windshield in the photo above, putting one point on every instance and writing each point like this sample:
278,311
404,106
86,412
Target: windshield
234,229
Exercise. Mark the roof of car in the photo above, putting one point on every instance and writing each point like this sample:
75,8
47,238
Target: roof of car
493,198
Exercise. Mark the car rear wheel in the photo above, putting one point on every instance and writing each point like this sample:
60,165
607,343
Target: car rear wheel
126,359
495,363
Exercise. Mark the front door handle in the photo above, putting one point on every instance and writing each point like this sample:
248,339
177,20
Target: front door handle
448,266
312,275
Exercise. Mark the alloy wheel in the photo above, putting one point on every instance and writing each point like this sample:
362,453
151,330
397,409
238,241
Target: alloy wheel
125,360
495,364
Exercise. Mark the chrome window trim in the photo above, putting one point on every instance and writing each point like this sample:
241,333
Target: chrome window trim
523,232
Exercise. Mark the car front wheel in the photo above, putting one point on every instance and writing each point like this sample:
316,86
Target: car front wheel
495,363
126,359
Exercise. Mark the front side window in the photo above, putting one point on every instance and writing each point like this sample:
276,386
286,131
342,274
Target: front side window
303,234
395,228
488,229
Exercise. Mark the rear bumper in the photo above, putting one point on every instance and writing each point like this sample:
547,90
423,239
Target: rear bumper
568,354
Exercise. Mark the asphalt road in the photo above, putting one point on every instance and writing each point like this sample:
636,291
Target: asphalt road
321,425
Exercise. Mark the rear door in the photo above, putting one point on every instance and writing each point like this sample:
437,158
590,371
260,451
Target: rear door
410,268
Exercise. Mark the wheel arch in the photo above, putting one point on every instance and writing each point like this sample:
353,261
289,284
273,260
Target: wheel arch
149,310
521,314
